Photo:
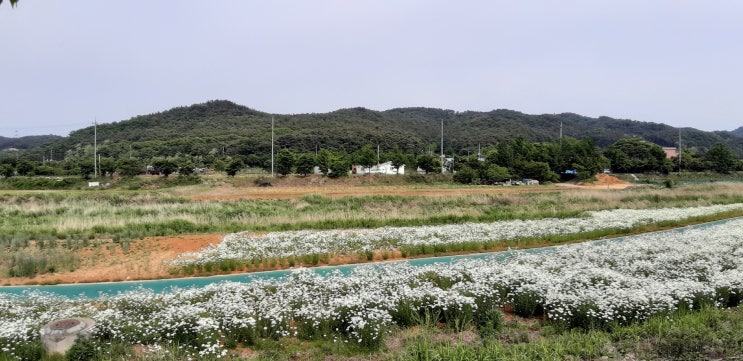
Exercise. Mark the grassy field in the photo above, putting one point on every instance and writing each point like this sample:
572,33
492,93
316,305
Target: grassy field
706,334
43,231
97,214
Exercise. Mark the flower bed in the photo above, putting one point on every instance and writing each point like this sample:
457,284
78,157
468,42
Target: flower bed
584,285
247,248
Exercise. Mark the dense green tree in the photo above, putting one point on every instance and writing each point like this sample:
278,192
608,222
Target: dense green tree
398,159
84,168
473,169
549,153
129,167
465,175
365,157
25,168
581,155
632,154
720,158
44,170
459,162
233,167
284,162
165,166
338,166
221,166
535,170
6,170
691,161
324,157
495,173
503,155
429,163
107,166
305,164
185,168
523,150
254,160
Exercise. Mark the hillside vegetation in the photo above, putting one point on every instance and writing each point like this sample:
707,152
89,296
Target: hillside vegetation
27,142
225,128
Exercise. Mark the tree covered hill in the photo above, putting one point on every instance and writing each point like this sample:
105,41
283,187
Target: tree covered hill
465,130
221,127
27,142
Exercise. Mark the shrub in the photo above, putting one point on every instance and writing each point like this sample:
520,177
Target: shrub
29,351
685,343
527,304
729,297
490,322
81,350
405,314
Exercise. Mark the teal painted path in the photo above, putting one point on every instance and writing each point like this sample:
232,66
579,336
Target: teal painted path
94,290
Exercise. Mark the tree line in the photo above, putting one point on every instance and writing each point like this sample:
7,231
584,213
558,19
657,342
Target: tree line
515,158
480,147
222,127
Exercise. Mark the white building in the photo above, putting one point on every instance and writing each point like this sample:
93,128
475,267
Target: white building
384,168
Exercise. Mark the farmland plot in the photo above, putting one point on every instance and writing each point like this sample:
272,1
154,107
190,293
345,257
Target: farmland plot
246,247
584,285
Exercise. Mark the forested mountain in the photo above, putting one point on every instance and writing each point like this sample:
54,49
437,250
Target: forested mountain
738,132
26,142
221,127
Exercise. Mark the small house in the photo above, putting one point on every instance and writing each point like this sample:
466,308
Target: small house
383,168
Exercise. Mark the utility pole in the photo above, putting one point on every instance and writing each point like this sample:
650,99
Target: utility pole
272,137
95,148
679,151
442,146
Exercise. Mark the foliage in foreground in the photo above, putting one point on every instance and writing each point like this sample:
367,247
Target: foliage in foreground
246,249
706,334
597,286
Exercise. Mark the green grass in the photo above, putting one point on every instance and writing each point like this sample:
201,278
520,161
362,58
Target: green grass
704,334
707,334
77,217
137,214
43,228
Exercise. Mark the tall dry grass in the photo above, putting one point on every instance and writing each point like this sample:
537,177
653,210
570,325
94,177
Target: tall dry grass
62,214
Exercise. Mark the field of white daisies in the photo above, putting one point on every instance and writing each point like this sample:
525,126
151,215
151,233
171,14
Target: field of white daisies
588,285
246,247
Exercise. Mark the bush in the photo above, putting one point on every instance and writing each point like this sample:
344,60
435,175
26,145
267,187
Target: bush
685,343
262,182
490,323
527,304
33,183
81,350
465,175
30,351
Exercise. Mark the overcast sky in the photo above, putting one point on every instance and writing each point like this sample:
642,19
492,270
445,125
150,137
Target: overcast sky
64,64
